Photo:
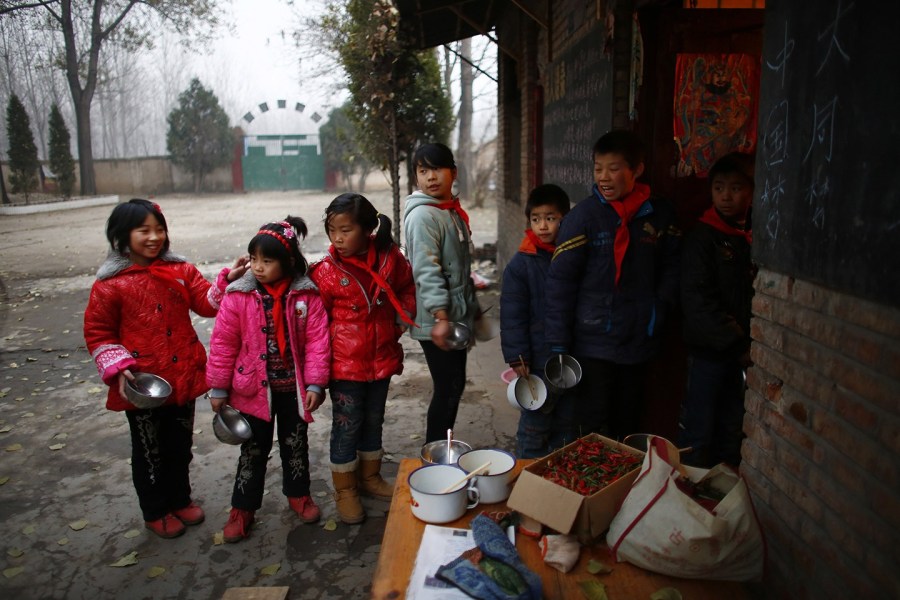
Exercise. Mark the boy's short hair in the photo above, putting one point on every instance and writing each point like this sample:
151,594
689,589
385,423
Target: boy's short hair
623,142
548,193
737,163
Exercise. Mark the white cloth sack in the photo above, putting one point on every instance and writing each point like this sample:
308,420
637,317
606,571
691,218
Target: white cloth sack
661,528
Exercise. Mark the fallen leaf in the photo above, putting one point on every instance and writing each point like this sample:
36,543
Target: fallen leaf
4,479
13,365
64,355
15,552
28,529
330,525
56,446
61,436
132,533
14,447
127,560
78,525
155,572
593,589
667,593
198,431
415,436
28,415
5,428
271,569
219,538
95,390
12,572
31,359
596,567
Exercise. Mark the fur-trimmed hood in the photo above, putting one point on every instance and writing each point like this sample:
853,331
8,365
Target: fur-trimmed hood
247,283
115,263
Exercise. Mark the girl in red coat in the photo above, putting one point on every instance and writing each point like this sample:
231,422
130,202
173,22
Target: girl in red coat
138,319
269,355
368,290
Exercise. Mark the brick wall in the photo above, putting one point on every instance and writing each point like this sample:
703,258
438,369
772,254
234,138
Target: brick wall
821,456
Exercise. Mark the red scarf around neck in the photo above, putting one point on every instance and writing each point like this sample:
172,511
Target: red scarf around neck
712,218
368,265
532,237
277,291
626,208
456,207
167,273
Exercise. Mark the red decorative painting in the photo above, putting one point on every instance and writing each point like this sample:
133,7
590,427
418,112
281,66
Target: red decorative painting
715,109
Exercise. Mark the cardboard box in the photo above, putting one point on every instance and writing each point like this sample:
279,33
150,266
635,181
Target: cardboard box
565,511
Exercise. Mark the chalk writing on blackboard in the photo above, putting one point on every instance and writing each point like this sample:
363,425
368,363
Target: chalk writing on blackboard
832,33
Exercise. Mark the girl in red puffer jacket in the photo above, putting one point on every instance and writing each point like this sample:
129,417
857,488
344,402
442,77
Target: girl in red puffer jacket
269,356
368,290
138,319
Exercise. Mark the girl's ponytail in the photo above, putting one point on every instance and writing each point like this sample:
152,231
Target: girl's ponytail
383,237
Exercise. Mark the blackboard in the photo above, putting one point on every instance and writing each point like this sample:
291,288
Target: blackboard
827,200
577,111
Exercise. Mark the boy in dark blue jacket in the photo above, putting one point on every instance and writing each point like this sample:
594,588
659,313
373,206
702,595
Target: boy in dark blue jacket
612,281
716,293
522,322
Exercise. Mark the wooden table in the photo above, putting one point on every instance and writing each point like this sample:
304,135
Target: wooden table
403,533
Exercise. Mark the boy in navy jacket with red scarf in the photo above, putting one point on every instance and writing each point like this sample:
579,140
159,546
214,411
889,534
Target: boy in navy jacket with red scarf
716,292
522,322
612,282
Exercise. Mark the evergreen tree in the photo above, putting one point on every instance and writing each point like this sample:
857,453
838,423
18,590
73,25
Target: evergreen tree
61,162
199,137
23,157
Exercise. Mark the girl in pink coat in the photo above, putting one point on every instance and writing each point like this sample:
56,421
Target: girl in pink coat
269,358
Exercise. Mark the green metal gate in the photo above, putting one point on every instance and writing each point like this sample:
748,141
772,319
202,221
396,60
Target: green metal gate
283,162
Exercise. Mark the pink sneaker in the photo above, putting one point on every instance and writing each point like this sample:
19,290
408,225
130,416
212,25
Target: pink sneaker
169,526
190,514
305,508
238,526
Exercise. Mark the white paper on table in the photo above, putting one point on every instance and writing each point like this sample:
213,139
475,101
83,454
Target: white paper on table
439,546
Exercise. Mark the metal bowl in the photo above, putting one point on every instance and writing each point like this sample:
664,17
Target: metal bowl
562,371
459,336
147,390
231,427
435,453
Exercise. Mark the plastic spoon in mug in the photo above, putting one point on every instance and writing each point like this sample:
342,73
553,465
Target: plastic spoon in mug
475,472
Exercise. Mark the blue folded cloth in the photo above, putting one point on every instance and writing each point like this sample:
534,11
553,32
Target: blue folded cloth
492,570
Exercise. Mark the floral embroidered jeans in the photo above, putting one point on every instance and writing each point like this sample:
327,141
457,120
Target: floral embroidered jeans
293,446
160,457
357,417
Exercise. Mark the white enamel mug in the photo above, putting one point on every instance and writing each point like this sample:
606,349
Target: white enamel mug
495,485
527,393
429,501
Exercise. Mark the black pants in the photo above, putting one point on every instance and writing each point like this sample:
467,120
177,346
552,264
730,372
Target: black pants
448,376
161,456
293,446
612,398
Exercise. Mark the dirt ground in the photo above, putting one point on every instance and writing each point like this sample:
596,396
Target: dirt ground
67,506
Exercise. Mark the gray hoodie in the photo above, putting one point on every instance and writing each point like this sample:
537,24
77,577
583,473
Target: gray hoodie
438,247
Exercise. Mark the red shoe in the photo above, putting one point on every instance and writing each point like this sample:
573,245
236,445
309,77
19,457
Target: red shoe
238,526
305,508
190,514
169,526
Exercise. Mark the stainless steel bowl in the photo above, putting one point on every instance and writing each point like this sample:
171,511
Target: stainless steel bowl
435,453
459,336
231,427
147,390
562,371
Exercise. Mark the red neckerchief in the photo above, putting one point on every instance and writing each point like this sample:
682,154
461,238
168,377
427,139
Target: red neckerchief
368,265
712,218
626,208
456,207
532,241
166,272
277,290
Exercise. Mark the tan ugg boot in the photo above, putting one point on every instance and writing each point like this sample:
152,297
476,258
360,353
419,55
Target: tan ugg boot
370,480
346,493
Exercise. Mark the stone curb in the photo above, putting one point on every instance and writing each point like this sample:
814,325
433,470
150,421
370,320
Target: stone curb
28,209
